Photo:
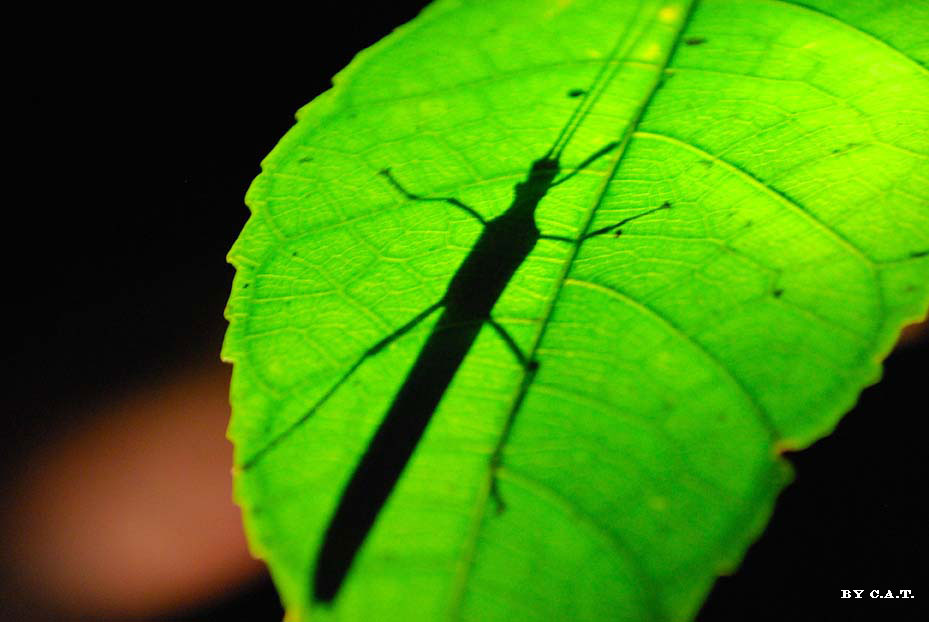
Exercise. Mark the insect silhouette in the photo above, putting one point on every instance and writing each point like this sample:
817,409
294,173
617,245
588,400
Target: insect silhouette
466,306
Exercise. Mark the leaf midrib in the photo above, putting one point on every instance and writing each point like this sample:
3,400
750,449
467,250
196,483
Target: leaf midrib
484,495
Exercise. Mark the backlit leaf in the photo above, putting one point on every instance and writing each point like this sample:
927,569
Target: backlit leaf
791,141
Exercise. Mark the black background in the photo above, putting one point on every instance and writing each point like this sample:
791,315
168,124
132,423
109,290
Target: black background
139,141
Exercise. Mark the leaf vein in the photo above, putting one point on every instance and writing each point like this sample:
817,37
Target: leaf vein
554,498
762,415
766,189
853,28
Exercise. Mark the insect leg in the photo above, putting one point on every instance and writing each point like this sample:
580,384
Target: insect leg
559,238
521,357
373,350
587,162
531,366
470,211
615,228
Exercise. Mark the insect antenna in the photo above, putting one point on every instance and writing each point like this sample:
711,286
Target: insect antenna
605,75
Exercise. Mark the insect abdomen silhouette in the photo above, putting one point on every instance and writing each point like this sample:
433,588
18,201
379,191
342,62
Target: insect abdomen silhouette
473,291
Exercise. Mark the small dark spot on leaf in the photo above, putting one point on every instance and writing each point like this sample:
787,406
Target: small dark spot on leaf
777,293
918,254
576,92
845,148
666,205
293,254
695,40
532,365
246,286
618,233
305,159
749,223
706,163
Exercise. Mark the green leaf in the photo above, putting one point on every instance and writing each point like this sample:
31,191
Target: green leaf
676,361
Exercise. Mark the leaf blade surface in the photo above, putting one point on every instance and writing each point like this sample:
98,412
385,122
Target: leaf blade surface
674,360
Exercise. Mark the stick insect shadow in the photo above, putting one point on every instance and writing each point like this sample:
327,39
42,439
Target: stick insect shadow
466,306
504,243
